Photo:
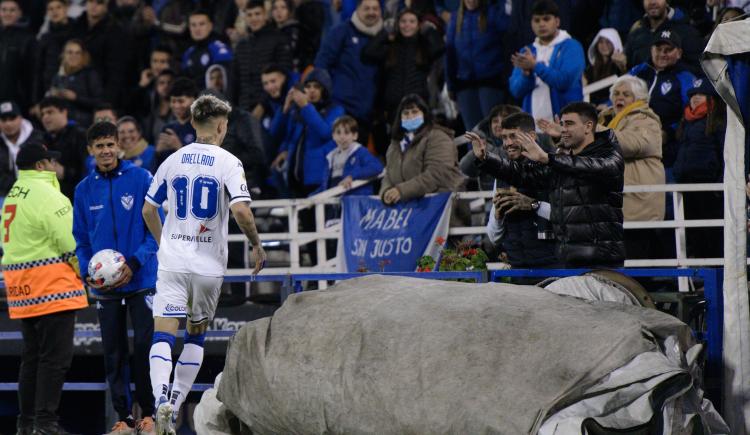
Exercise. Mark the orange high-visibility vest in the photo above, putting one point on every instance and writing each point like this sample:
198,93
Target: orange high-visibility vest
39,262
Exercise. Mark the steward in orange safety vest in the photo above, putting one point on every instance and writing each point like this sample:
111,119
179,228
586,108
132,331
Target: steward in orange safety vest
43,285
39,263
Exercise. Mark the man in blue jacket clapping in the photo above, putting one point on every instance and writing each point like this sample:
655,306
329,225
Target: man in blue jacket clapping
547,74
107,215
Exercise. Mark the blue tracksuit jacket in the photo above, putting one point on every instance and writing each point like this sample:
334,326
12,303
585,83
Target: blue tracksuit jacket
562,75
472,54
107,215
353,80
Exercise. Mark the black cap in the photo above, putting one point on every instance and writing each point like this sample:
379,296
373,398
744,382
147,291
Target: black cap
34,152
703,86
9,109
668,37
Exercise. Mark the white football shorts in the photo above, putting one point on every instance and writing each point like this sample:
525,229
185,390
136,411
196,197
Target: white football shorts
186,295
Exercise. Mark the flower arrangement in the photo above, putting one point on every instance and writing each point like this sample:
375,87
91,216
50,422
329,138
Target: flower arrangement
465,256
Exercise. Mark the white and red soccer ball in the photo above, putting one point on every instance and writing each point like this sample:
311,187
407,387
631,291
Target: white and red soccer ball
104,267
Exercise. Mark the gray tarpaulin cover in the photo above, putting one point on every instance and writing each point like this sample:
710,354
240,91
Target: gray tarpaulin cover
592,288
392,355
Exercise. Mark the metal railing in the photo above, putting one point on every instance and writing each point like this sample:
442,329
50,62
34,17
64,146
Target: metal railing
598,86
293,239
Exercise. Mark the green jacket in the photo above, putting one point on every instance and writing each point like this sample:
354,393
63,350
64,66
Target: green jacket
37,220
39,266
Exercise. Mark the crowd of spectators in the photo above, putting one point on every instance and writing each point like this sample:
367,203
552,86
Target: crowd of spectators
398,69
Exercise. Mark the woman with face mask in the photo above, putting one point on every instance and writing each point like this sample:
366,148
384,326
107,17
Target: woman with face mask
421,158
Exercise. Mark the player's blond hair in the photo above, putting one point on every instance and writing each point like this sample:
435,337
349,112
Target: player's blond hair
207,107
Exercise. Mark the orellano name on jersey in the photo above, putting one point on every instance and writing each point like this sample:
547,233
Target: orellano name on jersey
188,238
198,159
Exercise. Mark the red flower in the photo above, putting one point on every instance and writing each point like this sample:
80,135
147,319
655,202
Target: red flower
439,241
427,269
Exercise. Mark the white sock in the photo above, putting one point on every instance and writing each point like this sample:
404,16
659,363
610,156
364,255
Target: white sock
160,359
185,372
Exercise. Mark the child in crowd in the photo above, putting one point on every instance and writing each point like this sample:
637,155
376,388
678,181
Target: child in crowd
349,161
700,160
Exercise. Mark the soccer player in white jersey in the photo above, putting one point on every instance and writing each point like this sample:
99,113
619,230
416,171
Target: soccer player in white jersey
201,183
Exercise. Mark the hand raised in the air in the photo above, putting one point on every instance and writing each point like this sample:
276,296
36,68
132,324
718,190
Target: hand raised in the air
531,149
478,144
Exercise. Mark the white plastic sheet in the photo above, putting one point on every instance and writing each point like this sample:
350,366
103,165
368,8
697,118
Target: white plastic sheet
730,39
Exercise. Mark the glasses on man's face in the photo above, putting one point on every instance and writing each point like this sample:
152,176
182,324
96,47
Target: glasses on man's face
99,2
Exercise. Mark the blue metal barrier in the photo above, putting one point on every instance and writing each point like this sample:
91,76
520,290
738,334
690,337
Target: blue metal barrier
91,386
479,276
16,335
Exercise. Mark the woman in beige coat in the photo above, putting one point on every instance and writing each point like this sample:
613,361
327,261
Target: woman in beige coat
638,130
421,158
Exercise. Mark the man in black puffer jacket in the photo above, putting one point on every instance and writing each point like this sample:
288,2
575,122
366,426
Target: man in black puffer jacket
585,181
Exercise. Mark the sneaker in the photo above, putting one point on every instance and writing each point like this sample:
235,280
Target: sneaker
146,426
121,428
164,418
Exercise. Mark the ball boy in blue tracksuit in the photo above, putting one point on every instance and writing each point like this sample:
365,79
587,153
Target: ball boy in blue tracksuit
107,214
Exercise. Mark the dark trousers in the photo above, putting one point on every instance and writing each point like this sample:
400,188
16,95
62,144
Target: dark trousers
45,360
113,320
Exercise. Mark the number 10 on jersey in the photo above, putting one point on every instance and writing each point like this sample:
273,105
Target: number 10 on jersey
201,196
